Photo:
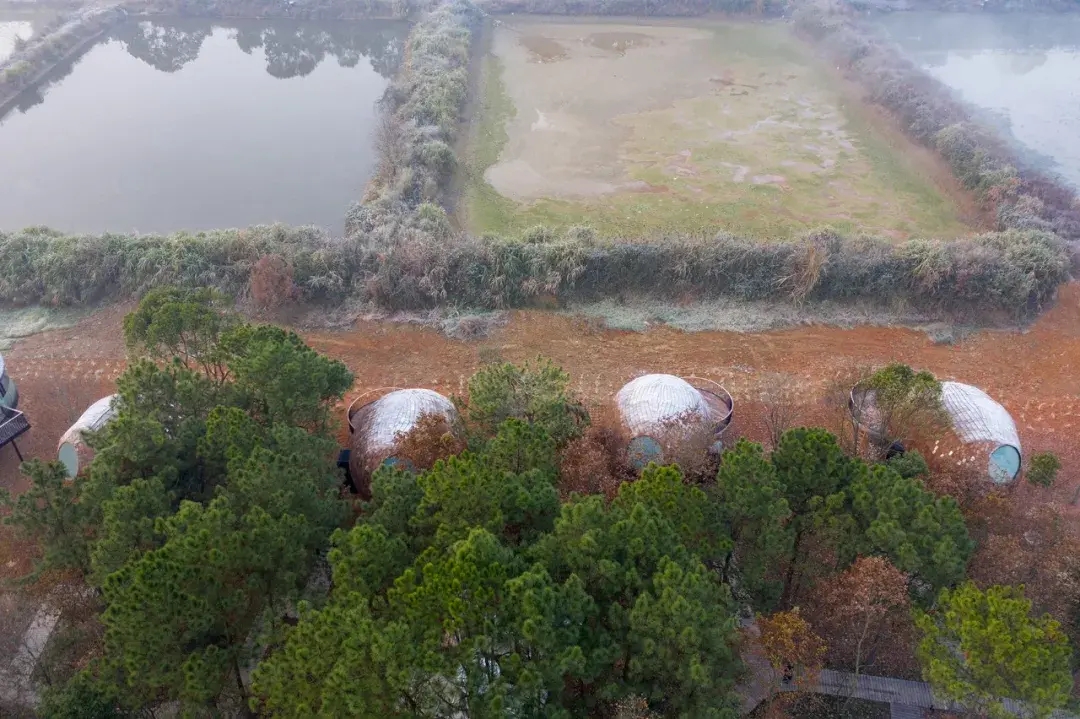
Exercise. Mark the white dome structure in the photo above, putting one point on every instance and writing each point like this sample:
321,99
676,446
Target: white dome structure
72,450
978,422
658,407
377,426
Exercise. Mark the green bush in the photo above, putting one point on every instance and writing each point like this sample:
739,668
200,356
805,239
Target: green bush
909,465
537,393
1043,469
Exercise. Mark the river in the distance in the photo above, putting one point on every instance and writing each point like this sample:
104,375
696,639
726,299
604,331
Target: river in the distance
1022,69
192,124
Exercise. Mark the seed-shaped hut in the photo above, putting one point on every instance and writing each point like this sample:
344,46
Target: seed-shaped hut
982,429
985,428
73,451
377,426
661,412
9,393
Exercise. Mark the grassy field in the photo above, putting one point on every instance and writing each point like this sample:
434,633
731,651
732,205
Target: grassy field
637,130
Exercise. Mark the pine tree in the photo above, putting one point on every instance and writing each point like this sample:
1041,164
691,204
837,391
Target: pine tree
979,648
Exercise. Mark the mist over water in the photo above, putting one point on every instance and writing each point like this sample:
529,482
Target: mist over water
1022,70
199,124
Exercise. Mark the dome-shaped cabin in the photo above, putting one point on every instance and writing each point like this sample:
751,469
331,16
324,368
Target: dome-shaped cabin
72,451
377,425
9,393
660,412
986,428
983,431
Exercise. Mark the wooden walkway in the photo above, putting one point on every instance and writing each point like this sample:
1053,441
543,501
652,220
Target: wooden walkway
906,699
886,690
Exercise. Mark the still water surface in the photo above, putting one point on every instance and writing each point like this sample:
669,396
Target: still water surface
1023,70
195,124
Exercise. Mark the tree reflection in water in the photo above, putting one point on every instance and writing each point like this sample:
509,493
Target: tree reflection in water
292,49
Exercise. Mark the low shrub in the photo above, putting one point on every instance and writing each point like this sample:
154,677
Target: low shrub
1043,468
421,109
1014,273
402,252
297,9
272,282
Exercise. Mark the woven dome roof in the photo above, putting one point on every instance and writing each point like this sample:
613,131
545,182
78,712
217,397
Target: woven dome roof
648,402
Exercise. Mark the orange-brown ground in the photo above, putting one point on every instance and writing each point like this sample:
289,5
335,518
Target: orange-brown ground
1035,374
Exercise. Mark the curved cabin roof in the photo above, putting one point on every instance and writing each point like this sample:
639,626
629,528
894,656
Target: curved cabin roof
378,424
976,418
70,451
647,403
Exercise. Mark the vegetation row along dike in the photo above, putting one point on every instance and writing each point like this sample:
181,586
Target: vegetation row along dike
400,250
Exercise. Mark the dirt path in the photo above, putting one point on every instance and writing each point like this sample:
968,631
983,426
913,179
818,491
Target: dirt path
1035,374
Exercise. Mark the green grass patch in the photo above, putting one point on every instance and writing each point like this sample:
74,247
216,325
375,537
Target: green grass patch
770,146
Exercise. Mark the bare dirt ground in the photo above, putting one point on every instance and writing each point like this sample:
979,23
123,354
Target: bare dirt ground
633,127
1035,374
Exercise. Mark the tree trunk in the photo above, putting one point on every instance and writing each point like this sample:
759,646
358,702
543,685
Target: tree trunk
790,579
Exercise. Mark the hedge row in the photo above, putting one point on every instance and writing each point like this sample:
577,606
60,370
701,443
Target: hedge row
401,252
415,140
673,8
932,115
1008,274
297,9
58,40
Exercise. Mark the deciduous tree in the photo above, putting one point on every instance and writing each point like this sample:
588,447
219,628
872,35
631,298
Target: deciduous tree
860,609
794,651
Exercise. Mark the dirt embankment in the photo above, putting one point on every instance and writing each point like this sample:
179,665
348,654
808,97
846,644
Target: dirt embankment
1035,374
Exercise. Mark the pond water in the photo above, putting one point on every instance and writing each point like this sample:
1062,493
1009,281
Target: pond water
196,124
1023,70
